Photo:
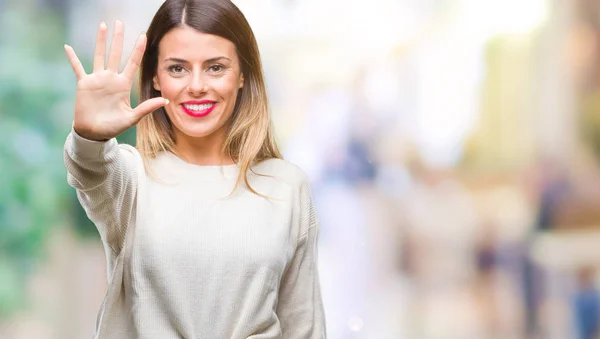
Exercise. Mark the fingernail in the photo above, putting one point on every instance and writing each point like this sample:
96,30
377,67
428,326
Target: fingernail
166,101
103,24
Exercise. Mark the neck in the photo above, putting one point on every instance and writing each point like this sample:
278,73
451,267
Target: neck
204,151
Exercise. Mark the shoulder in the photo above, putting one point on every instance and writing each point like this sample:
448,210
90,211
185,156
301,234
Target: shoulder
282,170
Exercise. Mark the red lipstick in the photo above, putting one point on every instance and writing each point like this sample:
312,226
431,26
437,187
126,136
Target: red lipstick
202,109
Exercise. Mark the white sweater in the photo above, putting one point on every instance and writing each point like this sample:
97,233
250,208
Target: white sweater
186,262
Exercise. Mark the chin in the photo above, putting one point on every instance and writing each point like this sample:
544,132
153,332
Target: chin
197,133
197,128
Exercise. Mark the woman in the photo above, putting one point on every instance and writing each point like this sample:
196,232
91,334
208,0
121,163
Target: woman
208,232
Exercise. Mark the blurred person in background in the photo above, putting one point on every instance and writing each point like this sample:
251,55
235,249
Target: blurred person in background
553,188
586,304
208,232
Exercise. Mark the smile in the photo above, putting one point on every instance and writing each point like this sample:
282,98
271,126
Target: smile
198,110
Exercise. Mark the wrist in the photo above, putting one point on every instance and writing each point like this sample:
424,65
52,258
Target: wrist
88,136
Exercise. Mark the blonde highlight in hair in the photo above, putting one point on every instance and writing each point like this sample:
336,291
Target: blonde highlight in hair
250,139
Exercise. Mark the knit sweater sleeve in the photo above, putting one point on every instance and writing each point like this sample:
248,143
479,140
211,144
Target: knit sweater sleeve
104,175
300,307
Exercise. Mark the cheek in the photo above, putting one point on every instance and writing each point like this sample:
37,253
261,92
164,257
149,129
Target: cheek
170,86
227,88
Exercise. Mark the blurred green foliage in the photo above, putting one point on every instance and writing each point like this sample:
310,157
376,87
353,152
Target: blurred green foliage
37,91
33,90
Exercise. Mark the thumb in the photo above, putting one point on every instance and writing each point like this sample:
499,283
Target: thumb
149,106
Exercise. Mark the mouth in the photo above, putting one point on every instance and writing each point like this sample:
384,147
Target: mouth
199,109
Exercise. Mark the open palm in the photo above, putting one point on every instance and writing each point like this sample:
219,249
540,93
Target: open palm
102,106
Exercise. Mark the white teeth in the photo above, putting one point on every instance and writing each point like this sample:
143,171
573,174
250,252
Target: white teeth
198,107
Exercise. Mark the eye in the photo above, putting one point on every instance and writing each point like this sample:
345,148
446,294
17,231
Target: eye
175,69
216,68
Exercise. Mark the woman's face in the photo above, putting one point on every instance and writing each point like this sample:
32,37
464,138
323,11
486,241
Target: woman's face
200,75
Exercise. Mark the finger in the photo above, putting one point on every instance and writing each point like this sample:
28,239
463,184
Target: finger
148,107
75,63
136,57
116,48
100,53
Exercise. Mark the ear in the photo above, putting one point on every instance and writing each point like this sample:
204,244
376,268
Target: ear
241,81
156,83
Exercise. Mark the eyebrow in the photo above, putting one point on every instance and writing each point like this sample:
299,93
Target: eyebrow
206,61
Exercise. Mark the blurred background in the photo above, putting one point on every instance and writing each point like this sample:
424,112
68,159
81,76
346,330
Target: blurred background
453,148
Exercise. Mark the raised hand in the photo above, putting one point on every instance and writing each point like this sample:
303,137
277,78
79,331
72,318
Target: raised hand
102,106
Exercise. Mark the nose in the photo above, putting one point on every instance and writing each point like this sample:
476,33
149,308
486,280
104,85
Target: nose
197,85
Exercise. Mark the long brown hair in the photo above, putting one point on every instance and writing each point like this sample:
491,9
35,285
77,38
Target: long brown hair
250,138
